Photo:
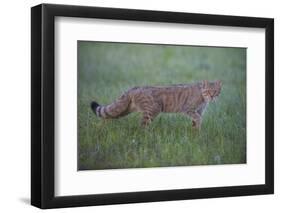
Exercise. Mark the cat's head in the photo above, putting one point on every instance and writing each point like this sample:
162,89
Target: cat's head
211,90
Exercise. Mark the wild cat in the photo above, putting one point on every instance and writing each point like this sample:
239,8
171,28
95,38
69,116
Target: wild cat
189,99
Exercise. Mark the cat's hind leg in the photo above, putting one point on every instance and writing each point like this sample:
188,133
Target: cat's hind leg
149,111
148,117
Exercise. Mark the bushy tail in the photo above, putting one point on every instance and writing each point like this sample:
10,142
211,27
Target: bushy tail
94,106
117,109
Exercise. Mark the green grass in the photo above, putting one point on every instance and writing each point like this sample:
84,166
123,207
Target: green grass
105,70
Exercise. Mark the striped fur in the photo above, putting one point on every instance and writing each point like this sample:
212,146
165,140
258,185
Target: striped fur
190,99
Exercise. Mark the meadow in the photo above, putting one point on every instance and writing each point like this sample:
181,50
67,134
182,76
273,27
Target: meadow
105,70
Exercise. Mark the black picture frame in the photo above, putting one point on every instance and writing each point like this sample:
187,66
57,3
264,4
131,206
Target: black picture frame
43,102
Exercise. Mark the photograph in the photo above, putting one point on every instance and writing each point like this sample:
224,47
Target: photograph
160,105
138,105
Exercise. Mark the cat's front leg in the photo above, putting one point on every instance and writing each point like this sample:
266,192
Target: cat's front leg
196,119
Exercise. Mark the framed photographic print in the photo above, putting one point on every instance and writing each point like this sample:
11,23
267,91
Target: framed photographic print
139,106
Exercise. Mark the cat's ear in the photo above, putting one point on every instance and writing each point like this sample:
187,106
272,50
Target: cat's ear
219,83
